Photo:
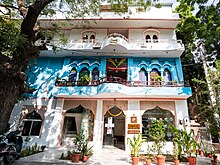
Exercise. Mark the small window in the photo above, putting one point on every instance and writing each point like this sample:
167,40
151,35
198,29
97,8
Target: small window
92,39
148,39
85,38
155,38
32,124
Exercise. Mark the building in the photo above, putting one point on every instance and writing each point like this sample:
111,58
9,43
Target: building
115,75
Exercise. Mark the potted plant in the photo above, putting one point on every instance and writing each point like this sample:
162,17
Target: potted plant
84,80
149,155
157,133
86,150
135,145
176,154
78,142
215,158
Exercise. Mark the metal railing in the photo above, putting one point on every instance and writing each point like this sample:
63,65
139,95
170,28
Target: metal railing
119,80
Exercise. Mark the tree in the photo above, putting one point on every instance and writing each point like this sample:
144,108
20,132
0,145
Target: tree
18,48
20,37
200,33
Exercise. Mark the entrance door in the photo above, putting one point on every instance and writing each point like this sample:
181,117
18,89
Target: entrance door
114,128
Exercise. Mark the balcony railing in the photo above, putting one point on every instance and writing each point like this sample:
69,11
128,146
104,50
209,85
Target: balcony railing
118,80
130,44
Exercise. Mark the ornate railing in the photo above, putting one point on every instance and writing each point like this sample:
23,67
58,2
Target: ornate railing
119,80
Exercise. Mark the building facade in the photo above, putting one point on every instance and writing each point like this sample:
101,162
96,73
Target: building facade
113,77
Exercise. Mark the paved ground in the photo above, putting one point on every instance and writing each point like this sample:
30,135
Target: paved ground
107,156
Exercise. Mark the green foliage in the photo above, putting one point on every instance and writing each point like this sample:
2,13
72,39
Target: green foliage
157,133
82,144
30,150
184,140
84,80
135,144
10,36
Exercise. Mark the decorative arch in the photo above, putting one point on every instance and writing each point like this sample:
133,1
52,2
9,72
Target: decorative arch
167,76
160,114
151,30
32,124
72,75
77,119
95,74
143,76
115,112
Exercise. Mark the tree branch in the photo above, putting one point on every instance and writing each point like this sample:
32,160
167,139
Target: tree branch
23,10
8,6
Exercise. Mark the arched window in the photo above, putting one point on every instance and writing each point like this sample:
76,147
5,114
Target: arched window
85,38
155,38
147,38
73,74
143,76
157,113
167,77
84,76
92,38
155,77
32,124
95,74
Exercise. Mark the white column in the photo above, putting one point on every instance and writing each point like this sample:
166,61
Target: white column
54,117
182,114
133,109
98,130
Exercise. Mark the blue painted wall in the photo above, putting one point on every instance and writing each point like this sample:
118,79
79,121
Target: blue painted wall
43,72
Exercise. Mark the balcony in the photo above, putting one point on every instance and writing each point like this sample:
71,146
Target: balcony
152,48
118,80
115,87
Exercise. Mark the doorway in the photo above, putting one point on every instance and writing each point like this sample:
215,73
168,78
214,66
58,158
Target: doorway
114,128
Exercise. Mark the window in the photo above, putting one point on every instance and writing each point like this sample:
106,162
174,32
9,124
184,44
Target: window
72,75
143,76
85,38
88,36
148,39
167,77
95,75
92,38
157,113
32,124
155,38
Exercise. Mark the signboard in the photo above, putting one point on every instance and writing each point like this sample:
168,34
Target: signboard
133,126
134,131
133,119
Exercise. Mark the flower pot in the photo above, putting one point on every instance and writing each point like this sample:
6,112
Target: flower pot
200,152
214,162
148,162
192,160
161,160
215,157
75,157
135,160
176,162
85,158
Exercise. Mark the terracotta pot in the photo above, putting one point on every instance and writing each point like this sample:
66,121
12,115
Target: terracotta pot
161,159
176,162
200,152
135,160
214,162
192,160
85,158
215,157
148,162
75,157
